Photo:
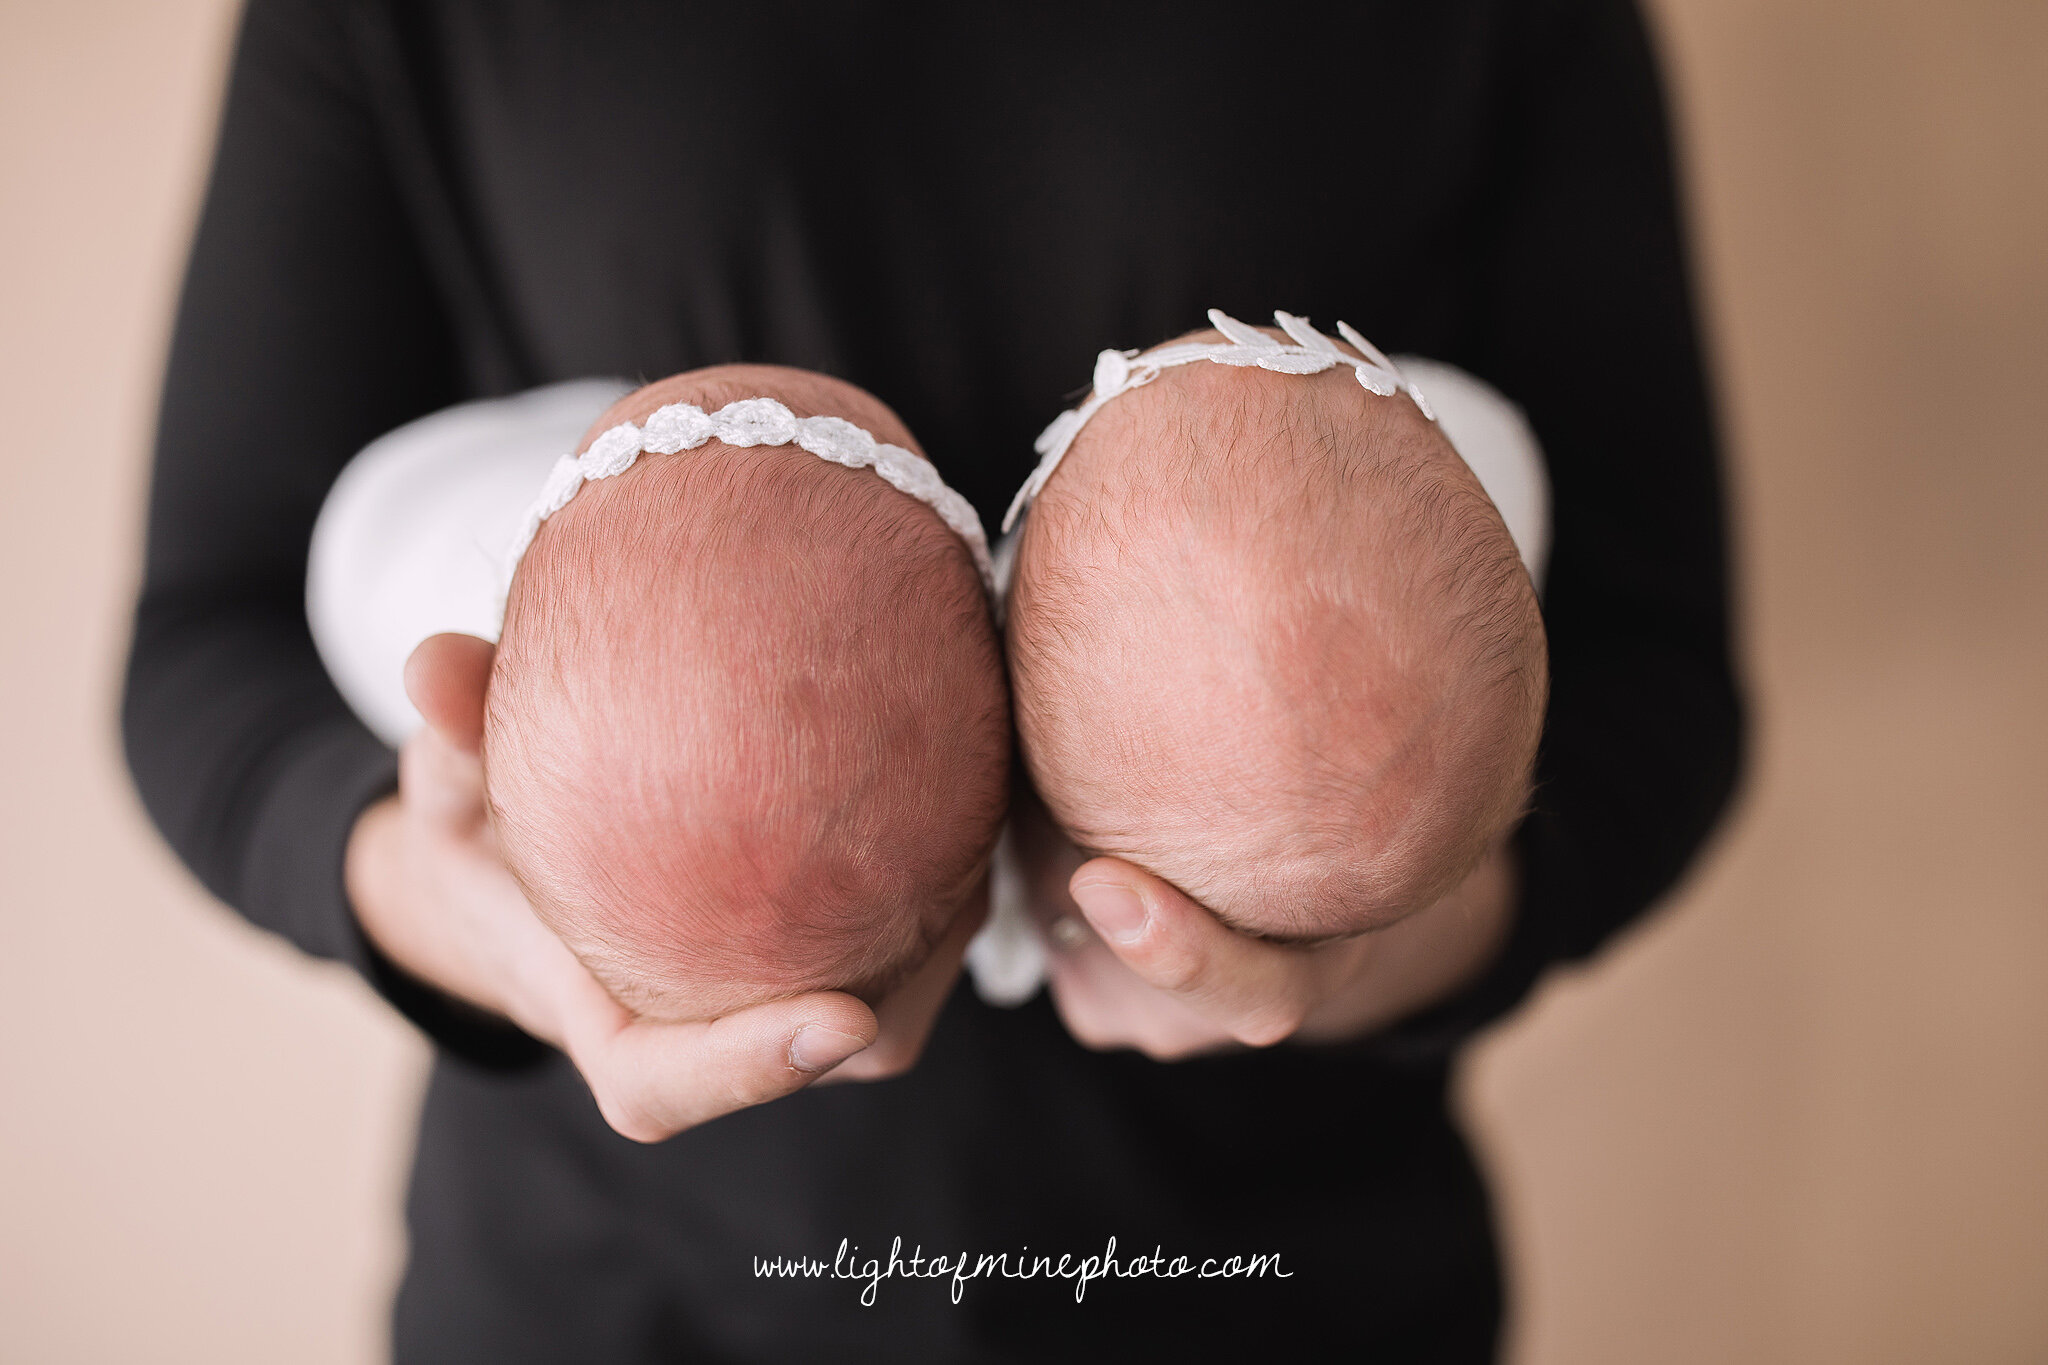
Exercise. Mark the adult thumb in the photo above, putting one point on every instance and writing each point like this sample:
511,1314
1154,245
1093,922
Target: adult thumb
446,678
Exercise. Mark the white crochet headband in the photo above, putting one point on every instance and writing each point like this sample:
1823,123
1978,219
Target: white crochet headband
752,422
1116,373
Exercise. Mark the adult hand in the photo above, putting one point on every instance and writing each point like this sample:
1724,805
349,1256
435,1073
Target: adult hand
1135,963
430,890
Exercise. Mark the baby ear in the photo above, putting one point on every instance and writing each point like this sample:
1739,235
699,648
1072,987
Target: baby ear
445,678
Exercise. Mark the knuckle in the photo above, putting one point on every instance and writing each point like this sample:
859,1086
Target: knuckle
1098,1040
1174,970
1163,1050
747,1079
1269,1025
744,1090
630,1118
1092,1032
1164,1043
624,1106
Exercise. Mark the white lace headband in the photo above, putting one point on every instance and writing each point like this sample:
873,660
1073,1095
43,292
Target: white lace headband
752,422
1118,372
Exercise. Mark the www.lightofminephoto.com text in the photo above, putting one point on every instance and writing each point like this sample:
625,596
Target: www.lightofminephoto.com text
870,1270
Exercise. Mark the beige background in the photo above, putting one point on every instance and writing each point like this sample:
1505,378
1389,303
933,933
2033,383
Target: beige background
1800,1115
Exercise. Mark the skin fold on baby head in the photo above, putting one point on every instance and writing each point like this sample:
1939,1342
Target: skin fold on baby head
747,732
1269,640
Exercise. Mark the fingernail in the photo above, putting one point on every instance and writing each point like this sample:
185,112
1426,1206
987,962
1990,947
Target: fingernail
1115,910
817,1048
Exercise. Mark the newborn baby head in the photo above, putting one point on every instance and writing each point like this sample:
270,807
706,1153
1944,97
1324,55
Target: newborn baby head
1270,640
746,733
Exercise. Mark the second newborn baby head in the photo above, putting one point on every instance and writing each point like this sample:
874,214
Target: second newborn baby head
1270,641
746,732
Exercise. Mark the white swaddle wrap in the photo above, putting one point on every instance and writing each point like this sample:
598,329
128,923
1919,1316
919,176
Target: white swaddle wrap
414,536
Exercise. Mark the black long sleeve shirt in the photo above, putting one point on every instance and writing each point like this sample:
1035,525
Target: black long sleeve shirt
955,206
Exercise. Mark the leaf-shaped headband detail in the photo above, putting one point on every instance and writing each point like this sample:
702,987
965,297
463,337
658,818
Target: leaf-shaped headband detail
1118,372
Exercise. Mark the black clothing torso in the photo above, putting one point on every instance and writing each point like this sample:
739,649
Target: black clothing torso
955,207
